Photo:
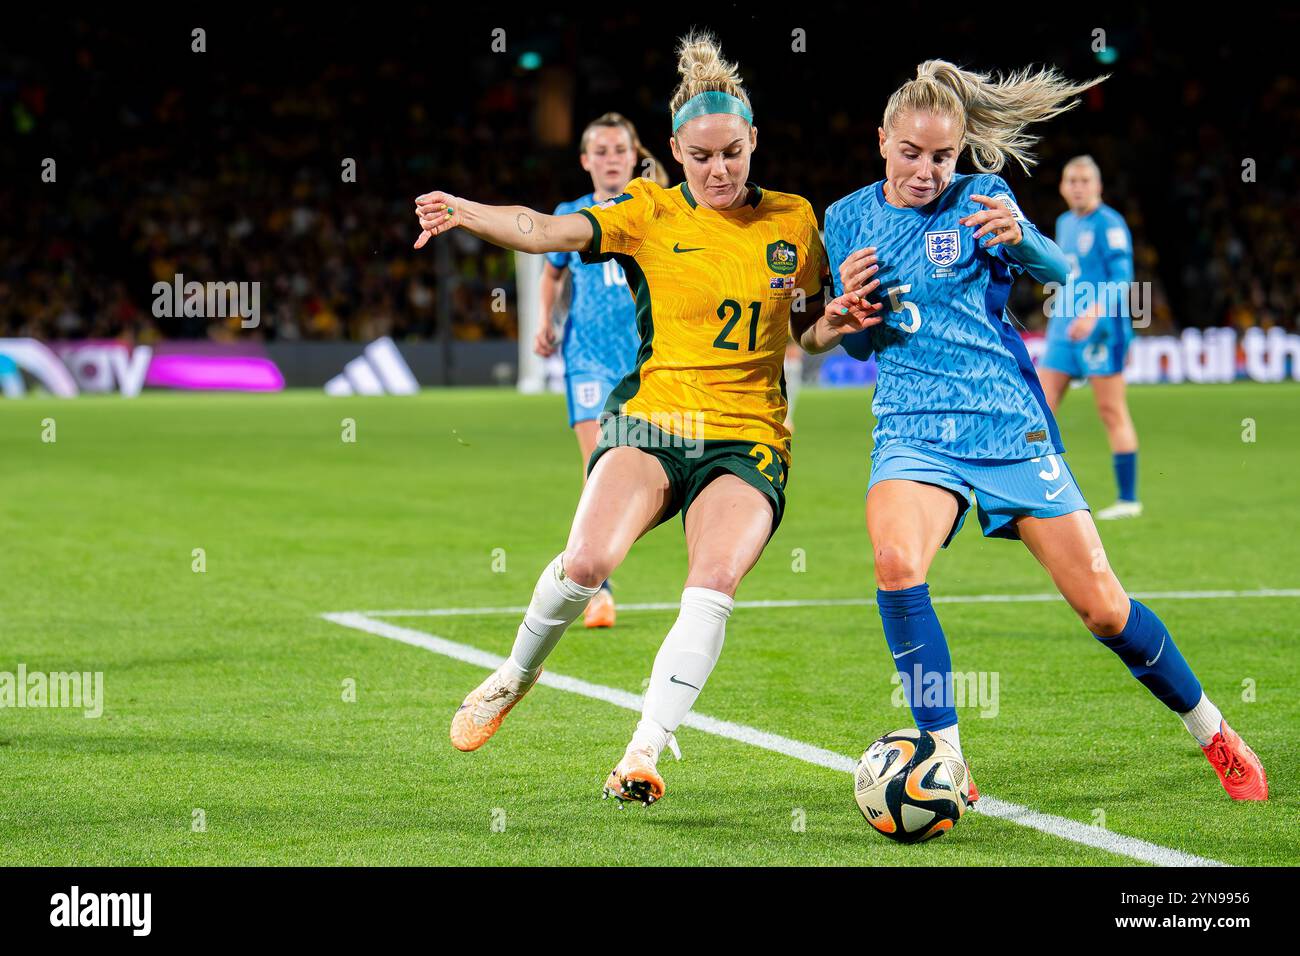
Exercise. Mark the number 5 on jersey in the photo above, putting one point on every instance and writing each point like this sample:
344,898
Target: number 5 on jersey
897,304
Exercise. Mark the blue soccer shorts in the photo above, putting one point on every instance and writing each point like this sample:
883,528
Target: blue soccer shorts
1003,490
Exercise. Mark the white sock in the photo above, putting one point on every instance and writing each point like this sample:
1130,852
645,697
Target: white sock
557,601
951,737
683,664
650,734
1203,720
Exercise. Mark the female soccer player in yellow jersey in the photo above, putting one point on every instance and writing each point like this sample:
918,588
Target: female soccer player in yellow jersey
716,265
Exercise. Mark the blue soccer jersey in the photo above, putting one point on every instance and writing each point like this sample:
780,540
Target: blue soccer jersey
954,374
600,336
1100,251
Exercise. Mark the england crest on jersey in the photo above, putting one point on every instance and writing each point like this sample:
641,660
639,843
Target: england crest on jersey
942,248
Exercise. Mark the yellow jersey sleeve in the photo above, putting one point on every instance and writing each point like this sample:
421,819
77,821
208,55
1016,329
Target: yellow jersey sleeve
619,225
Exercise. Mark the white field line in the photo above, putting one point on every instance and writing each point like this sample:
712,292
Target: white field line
867,602
1071,830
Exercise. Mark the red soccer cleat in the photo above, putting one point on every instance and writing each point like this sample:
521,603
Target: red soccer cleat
1239,770
974,793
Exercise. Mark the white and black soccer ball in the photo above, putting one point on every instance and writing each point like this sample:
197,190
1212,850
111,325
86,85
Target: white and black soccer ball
911,786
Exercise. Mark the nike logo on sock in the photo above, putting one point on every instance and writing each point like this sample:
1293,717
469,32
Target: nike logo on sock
905,653
1158,653
674,680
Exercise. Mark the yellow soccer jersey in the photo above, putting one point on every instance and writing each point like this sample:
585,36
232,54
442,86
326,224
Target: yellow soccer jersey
713,296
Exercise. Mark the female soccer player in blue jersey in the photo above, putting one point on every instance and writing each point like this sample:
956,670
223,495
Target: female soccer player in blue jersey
1089,331
959,408
599,342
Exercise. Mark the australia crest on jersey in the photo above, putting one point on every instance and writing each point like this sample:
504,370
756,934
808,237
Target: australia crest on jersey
782,257
942,247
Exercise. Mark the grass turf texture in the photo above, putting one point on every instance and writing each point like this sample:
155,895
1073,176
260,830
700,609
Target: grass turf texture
224,689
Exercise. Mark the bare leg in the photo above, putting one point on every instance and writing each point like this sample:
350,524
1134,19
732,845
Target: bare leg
1112,406
907,522
588,433
622,500
1054,385
727,528
1070,549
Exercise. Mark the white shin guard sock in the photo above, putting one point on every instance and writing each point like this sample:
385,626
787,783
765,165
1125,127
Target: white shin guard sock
683,664
1203,720
950,736
557,602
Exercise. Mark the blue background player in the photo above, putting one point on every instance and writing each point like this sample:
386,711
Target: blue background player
599,340
1089,329
923,263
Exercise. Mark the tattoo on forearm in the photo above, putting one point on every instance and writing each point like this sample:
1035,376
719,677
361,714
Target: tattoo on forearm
524,222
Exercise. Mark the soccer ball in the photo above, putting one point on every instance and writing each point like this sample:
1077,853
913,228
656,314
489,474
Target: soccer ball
911,786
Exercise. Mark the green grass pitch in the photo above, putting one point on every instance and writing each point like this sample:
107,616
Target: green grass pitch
224,690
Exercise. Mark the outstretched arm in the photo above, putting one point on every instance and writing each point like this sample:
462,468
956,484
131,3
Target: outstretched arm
512,227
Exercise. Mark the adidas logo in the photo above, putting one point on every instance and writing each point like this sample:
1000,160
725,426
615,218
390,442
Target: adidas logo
379,370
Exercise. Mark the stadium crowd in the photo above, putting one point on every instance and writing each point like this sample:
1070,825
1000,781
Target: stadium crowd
220,172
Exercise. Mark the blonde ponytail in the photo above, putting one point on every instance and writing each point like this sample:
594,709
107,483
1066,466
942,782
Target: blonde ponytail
703,70
992,113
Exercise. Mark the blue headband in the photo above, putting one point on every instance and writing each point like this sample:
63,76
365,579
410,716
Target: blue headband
702,104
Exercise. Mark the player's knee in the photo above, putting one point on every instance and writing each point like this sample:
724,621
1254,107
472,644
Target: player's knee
587,565
1105,614
1112,414
897,567
721,576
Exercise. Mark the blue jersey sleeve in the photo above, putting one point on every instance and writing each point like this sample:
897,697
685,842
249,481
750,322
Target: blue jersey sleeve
857,344
835,251
1036,253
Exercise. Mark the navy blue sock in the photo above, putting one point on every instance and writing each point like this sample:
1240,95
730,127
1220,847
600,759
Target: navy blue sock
1153,658
920,653
1126,475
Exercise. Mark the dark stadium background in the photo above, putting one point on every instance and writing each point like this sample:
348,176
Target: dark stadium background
226,165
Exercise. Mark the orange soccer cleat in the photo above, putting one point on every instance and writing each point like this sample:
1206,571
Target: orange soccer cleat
635,778
600,612
1239,770
481,713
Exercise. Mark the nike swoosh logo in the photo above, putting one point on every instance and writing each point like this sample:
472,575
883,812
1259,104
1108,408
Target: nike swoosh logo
677,248
674,680
1158,653
1051,495
905,653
